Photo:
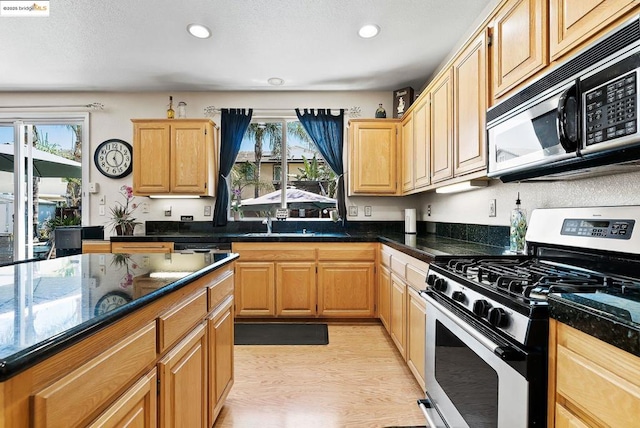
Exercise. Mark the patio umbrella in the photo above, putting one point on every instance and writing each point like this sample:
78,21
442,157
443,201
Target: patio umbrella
44,164
296,199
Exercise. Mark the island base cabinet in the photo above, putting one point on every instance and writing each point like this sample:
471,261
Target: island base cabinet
136,408
183,382
220,331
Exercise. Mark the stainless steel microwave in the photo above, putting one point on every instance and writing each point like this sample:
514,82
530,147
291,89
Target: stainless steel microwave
580,119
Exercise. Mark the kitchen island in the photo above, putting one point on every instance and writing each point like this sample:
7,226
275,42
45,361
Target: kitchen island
87,340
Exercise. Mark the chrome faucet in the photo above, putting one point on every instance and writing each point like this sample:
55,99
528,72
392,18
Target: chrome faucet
269,223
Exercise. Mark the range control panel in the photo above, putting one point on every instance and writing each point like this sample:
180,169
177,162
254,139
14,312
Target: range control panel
611,229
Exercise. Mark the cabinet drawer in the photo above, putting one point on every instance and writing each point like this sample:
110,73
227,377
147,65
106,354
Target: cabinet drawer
141,247
416,277
595,390
175,323
385,259
399,267
219,291
275,251
78,395
340,252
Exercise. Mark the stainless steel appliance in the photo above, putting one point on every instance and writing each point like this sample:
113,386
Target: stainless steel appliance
487,317
577,120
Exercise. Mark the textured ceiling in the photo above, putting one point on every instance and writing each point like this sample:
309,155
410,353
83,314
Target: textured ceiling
143,45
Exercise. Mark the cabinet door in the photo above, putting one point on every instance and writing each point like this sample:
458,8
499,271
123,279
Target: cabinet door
183,383
399,314
191,150
373,157
384,297
136,408
255,289
296,291
441,128
470,107
408,154
574,22
422,142
519,43
566,419
416,332
346,289
151,157
220,331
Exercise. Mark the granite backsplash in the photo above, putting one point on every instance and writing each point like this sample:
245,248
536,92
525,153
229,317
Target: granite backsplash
497,236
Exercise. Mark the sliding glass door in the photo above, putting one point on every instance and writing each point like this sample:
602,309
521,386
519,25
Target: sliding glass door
40,181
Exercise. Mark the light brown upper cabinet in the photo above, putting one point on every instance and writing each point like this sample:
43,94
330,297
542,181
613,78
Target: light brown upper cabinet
442,127
408,153
174,157
470,106
416,150
519,43
573,22
373,157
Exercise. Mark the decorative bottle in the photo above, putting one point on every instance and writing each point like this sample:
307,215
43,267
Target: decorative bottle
170,113
518,228
381,112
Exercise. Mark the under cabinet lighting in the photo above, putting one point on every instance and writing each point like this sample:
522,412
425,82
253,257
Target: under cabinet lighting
463,186
174,196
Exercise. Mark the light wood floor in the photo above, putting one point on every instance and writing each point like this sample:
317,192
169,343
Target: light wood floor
358,380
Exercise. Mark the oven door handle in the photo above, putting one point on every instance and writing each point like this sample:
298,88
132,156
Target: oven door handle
424,405
485,341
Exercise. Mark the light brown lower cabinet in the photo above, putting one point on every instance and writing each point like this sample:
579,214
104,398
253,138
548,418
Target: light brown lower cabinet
416,334
384,296
305,279
167,364
398,329
141,247
591,383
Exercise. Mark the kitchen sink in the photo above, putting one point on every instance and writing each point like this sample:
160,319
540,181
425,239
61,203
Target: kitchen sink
279,234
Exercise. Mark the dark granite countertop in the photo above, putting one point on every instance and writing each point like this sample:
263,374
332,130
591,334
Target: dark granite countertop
48,305
607,315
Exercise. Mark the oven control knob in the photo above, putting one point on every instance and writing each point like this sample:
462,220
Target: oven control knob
458,296
498,317
431,279
440,285
481,308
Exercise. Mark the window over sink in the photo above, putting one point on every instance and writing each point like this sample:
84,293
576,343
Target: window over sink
279,166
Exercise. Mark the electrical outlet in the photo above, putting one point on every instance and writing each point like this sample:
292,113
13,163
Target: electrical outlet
353,211
145,208
492,207
367,211
103,200
207,210
101,210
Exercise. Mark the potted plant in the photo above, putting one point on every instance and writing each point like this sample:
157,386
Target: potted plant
121,214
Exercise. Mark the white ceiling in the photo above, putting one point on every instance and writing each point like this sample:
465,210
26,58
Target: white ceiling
143,45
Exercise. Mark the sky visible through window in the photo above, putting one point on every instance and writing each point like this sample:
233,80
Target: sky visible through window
59,135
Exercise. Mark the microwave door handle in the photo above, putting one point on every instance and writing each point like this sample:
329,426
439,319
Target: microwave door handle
567,122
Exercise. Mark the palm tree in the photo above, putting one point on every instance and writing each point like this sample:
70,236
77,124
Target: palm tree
258,131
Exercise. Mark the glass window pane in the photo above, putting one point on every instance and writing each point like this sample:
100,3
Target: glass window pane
6,199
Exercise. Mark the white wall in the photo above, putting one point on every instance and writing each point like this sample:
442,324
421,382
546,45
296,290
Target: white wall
470,207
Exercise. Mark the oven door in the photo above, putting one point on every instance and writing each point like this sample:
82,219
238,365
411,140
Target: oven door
468,384
540,132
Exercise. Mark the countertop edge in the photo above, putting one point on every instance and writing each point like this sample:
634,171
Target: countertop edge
600,325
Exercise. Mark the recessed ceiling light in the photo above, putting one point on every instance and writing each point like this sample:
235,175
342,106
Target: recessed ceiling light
275,81
199,31
368,31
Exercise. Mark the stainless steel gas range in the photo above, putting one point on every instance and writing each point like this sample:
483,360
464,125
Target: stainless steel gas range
487,317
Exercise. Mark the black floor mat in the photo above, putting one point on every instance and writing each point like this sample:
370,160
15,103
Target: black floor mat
280,334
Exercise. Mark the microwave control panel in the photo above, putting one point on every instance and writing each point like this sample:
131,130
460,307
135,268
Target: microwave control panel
611,110
612,229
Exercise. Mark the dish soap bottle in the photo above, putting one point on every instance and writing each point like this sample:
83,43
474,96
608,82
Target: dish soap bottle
170,112
518,228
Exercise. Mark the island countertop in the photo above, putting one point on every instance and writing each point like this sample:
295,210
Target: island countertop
49,305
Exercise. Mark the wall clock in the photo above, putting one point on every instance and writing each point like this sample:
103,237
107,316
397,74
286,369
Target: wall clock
111,301
114,158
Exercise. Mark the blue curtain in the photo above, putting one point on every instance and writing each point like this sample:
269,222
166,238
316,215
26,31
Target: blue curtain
233,125
327,132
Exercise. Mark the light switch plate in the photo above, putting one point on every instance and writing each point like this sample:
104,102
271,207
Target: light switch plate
367,211
353,211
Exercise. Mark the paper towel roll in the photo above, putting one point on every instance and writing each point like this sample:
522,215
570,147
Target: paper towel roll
410,220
